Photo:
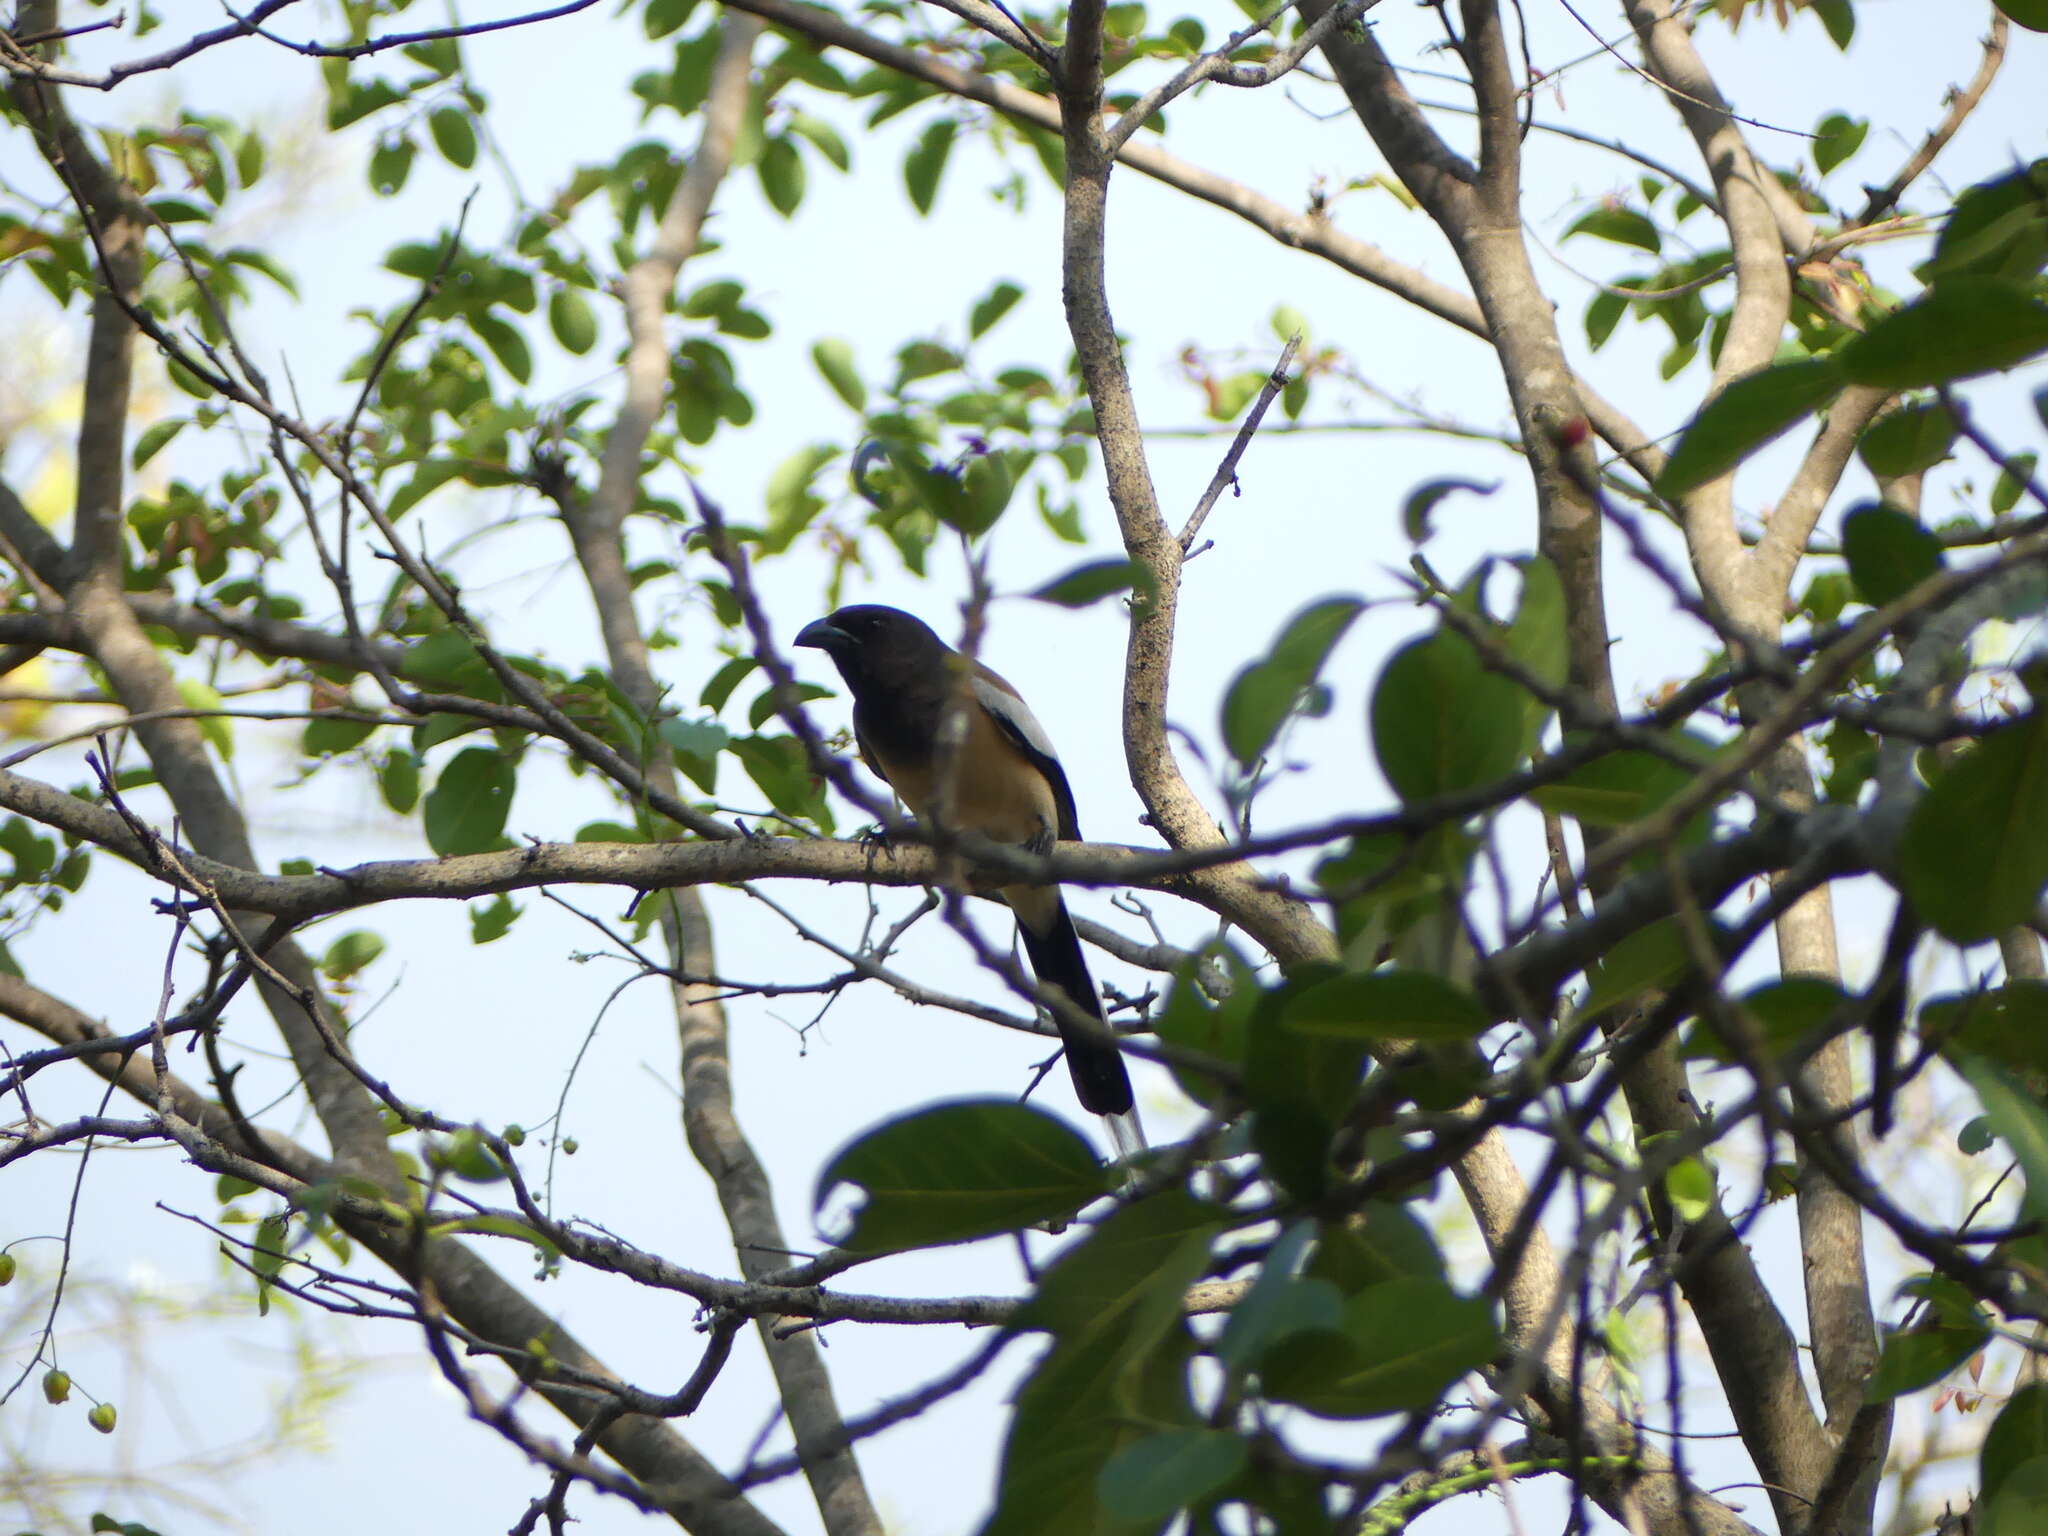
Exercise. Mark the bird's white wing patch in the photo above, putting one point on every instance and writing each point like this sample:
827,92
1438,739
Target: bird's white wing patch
1014,715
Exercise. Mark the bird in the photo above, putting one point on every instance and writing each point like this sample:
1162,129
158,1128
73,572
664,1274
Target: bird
1007,785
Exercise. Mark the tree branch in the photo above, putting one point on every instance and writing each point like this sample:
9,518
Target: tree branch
1961,103
690,1488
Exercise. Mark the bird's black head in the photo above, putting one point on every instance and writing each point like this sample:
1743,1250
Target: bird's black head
871,643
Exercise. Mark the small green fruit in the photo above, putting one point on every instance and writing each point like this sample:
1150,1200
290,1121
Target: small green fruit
7,1268
102,1418
56,1386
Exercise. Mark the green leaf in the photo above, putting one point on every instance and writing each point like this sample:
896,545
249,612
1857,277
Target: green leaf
465,1155
1998,228
1908,440
1624,226
696,738
991,307
2019,1121
608,832
466,809
257,261
1888,552
791,502
1299,1082
1974,857
249,159
153,440
454,135
2020,1507
1090,583
1839,17
1124,21
1536,640
1603,314
1689,1185
1746,415
2019,1434
1265,694
390,164
710,300
1215,1028
2008,1024
1277,1299
446,661
1443,724
492,920
782,772
763,709
2031,14
33,854
661,17
823,137
359,99
398,780
1118,1370
1229,396
724,680
324,736
781,170
1836,139
354,951
507,344
572,319
1422,501
435,729
1647,960
416,259
1098,1287
986,485
1165,1473
1615,788
961,1171
1064,521
834,359
219,732
1960,327
1381,1242
2011,484
1403,1343
267,1253
429,476
926,163
1919,1357
1786,1012
1288,322
1387,1005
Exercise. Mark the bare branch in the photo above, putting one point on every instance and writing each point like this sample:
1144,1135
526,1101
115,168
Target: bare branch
1961,103
1215,64
1302,231
13,61
1226,472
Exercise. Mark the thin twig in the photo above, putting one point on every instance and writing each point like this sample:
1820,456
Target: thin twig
1226,472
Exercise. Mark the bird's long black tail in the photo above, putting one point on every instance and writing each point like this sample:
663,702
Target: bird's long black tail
1100,1081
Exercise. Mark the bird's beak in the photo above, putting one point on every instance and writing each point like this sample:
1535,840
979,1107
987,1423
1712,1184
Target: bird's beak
823,635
